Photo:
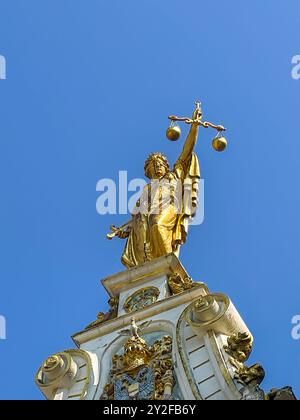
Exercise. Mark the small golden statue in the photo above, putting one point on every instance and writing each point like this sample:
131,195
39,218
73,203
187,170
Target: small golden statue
159,223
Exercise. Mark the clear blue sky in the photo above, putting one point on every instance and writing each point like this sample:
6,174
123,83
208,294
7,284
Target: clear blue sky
89,86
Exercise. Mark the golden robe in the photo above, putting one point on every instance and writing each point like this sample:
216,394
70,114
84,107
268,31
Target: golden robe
161,217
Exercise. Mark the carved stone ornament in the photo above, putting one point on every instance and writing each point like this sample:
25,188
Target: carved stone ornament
239,347
62,372
112,313
178,285
283,394
141,298
142,372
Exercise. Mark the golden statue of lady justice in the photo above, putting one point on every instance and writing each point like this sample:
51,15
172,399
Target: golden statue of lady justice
159,222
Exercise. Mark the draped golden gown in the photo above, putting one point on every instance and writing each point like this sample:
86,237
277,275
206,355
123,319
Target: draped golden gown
160,225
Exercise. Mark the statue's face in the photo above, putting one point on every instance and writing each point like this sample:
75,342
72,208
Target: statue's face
156,169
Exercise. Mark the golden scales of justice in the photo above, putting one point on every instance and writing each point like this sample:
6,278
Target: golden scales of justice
173,133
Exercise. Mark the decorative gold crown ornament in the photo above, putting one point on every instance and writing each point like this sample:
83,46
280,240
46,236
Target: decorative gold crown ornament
136,352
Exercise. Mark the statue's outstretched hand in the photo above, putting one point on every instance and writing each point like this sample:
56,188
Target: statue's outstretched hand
121,232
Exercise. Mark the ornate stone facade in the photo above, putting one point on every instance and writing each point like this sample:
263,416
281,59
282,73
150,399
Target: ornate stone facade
184,343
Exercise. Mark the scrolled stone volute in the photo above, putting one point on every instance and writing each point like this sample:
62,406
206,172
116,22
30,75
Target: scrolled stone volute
58,371
215,312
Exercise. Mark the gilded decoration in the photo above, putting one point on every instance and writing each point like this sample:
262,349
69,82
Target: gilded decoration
103,317
239,347
141,298
177,284
141,372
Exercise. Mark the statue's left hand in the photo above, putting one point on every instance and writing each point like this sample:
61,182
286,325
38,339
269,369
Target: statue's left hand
119,232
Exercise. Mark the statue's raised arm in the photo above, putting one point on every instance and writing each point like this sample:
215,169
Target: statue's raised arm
191,140
219,143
